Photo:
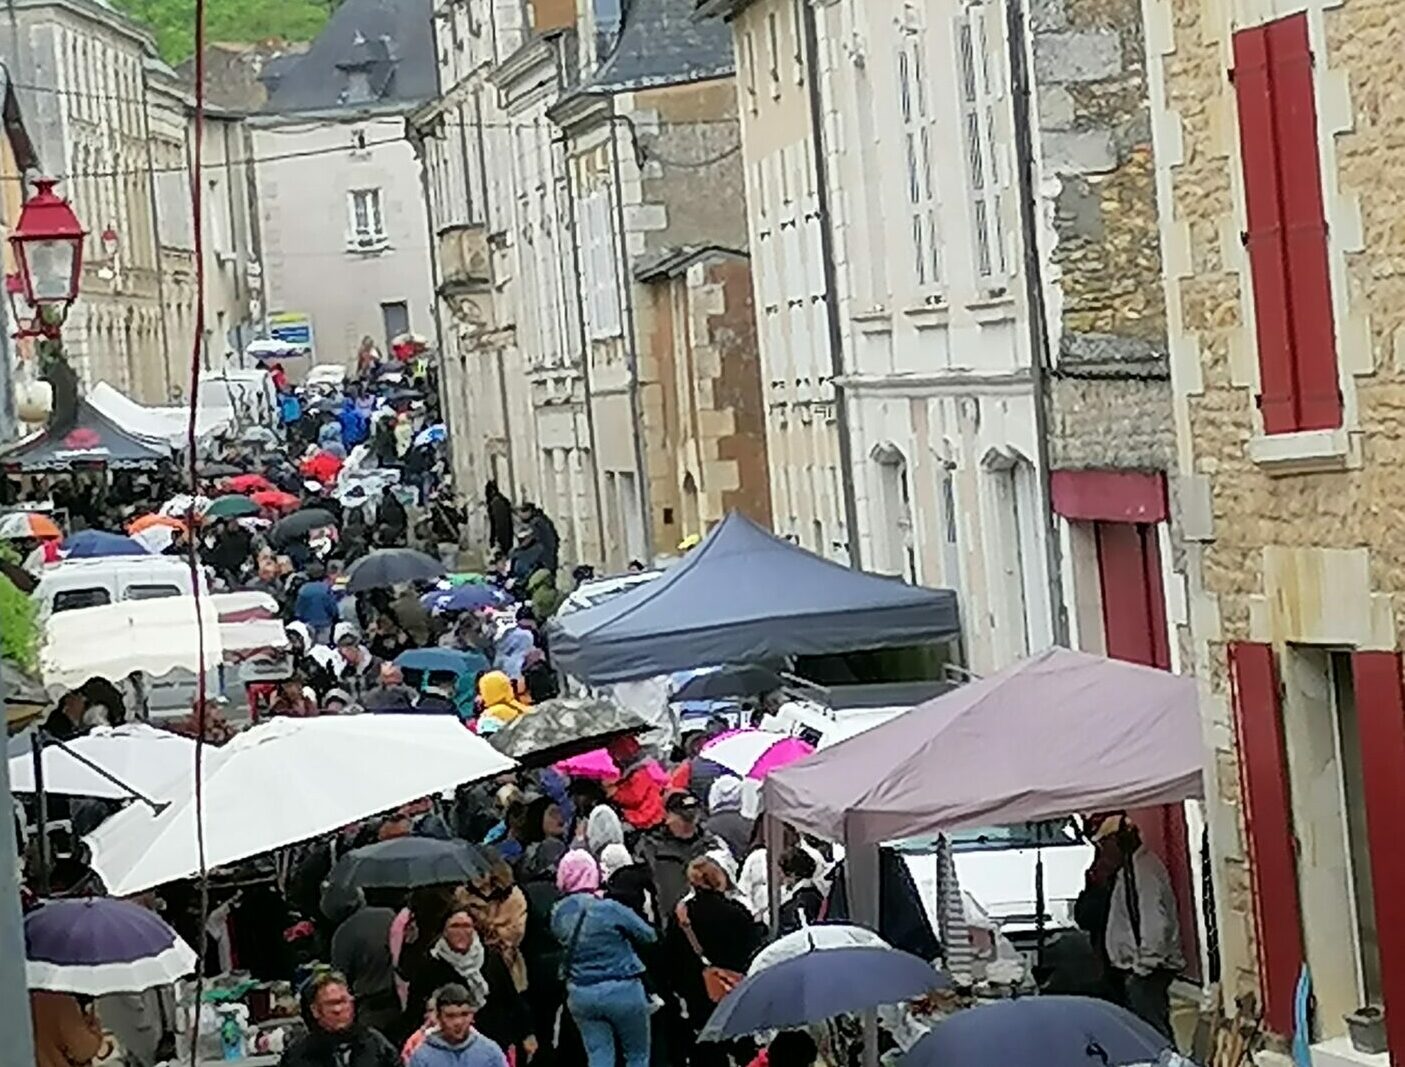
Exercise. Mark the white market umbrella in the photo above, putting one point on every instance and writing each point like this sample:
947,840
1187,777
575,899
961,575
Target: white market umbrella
149,760
112,641
285,781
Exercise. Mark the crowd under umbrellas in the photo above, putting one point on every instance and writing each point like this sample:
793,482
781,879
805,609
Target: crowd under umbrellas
414,839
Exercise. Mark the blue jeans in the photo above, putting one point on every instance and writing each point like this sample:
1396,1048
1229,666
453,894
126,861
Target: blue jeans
608,1013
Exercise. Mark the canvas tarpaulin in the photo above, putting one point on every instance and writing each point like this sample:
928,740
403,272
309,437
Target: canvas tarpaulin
93,439
745,595
1059,733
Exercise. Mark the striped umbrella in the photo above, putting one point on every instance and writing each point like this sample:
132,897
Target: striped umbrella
96,945
754,753
20,525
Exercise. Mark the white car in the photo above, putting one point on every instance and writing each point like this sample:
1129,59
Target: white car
593,594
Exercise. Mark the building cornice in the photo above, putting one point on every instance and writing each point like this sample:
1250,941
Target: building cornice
537,55
580,110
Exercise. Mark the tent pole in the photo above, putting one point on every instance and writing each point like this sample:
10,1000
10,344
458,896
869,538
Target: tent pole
773,829
1039,906
41,814
863,869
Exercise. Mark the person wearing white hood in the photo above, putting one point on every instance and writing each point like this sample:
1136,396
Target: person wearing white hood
353,666
725,818
311,661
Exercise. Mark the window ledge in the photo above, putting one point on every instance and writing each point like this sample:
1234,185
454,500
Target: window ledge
991,309
874,320
937,313
1306,452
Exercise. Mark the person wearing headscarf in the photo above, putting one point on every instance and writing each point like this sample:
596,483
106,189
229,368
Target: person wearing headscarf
500,703
602,829
602,967
460,956
629,883
724,815
512,651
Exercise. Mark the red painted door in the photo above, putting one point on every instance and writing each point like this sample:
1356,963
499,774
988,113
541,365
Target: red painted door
1134,629
1380,716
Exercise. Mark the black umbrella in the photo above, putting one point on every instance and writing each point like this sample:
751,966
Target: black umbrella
564,727
409,862
392,566
300,523
725,682
216,469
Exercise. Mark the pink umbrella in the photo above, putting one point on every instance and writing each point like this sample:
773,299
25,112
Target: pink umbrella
754,753
601,767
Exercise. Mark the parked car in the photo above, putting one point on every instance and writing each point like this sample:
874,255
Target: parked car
88,583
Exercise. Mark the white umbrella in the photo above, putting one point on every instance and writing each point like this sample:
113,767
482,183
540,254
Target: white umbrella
112,641
149,760
286,781
814,938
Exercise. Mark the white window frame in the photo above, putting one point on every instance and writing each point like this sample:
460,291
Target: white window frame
979,91
366,218
916,113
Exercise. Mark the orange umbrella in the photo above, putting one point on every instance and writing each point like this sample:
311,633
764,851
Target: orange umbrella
148,521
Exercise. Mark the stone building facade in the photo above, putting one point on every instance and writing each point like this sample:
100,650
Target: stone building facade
706,388
1277,130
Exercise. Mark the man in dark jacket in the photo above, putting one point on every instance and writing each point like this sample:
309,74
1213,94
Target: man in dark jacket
499,518
544,532
668,849
360,949
392,514
335,1038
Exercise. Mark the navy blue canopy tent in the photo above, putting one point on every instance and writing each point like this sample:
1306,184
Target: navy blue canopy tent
93,439
746,596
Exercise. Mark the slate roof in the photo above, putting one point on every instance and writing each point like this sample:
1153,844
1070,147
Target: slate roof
664,43
390,41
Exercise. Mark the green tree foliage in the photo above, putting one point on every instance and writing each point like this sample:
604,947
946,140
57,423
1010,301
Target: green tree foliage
19,633
173,21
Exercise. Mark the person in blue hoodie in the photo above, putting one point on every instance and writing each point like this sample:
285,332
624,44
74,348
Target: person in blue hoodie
316,605
454,1042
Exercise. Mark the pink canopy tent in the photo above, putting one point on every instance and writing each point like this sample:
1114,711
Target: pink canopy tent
1059,733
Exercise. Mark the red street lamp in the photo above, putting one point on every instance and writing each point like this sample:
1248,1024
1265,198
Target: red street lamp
48,245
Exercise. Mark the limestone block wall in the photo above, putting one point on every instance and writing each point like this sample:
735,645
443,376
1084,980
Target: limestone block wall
1280,551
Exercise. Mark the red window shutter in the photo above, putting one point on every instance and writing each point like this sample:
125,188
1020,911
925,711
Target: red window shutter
1286,233
1263,202
1380,716
1268,824
1304,225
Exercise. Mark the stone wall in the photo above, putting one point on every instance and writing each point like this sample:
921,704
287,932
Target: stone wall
1109,394
1261,534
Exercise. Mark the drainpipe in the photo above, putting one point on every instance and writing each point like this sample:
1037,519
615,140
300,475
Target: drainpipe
1040,358
831,284
155,234
631,341
445,408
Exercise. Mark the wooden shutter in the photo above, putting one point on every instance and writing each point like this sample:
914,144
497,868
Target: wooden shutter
1304,225
1286,234
1263,203
1268,826
1380,716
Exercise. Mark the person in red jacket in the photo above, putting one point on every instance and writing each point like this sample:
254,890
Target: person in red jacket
636,792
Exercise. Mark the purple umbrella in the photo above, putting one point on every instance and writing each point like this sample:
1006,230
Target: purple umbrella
96,945
93,544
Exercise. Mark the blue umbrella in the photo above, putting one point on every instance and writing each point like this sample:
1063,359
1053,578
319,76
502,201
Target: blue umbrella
431,435
1050,1031
96,945
445,660
465,598
93,544
819,985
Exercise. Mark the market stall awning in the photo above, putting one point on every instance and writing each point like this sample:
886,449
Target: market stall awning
154,637
167,425
1059,733
93,439
289,780
746,596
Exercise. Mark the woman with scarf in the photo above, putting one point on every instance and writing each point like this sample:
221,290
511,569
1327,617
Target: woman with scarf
460,956
499,912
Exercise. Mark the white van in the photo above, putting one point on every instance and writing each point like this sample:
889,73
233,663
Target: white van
87,583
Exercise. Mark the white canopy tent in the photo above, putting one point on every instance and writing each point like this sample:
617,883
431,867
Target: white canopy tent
285,781
152,637
149,760
166,424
